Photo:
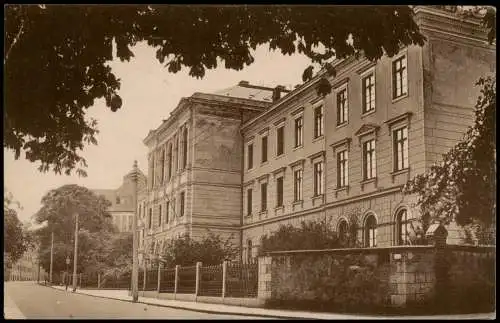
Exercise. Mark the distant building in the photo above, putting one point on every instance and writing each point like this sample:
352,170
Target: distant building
26,268
121,199
245,160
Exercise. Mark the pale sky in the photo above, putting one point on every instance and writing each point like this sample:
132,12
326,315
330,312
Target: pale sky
149,93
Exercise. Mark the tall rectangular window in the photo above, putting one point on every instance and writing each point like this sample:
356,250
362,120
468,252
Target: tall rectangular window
298,131
150,218
342,104
264,149
369,93
399,77
174,214
263,197
159,215
318,121
184,148
280,140
167,211
250,156
318,178
369,162
342,169
279,191
400,137
183,197
249,201
297,185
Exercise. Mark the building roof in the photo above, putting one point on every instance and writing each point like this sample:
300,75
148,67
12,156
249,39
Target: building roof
246,91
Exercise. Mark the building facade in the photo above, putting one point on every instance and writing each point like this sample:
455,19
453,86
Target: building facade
122,203
346,156
26,268
244,166
194,173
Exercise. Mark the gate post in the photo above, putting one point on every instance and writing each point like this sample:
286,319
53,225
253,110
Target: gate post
224,277
176,282
159,278
197,288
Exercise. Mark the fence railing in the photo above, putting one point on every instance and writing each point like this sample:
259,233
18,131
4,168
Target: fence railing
151,280
242,279
167,280
211,281
186,283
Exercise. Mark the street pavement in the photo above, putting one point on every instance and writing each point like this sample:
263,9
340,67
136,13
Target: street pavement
32,301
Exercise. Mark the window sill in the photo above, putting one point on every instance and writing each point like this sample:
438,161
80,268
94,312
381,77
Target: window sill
400,172
342,125
318,198
277,208
368,113
263,213
340,189
279,156
399,98
298,203
264,163
297,148
318,138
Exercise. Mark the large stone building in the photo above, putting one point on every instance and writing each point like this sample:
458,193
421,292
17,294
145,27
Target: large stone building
122,203
246,166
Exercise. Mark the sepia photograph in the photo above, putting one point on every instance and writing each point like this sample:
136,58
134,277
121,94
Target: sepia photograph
248,161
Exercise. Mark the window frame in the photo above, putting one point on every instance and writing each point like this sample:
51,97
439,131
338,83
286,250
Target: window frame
297,189
342,181
368,73
263,197
250,156
249,201
298,135
319,127
345,110
264,152
401,56
373,159
280,195
182,197
318,188
370,240
405,149
282,146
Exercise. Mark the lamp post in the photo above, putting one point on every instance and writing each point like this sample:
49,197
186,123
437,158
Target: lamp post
75,254
51,256
135,240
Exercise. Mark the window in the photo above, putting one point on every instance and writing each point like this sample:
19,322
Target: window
402,227
342,113
298,131
263,197
369,93
162,164
264,149
399,78
318,121
181,211
153,170
117,200
249,201
167,211
318,178
279,191
400,148
342,169
371,231
250,156
297,185
169,161
369,164
184,148
159,215
177,157
343,230
150,218
173,209
280,140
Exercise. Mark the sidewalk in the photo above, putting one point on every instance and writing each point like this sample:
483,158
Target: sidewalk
260,312
10,309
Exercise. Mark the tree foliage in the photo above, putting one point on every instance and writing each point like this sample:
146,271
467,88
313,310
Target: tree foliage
310,235
211,250
462,187
16,241
56,57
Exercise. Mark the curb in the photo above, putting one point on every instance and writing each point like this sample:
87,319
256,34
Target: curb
191,309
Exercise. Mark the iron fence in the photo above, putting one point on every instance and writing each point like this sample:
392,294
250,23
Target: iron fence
167,280
115,282
89,280
151,280
211,281
187,280
241,279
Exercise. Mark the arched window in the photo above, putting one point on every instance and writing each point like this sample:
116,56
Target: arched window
370,231
402,227
184,148
249,251
169,157
343,230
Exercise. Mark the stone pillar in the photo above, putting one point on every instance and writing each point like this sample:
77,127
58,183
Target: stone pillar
265,278
224,277
159,278
198,278
176,282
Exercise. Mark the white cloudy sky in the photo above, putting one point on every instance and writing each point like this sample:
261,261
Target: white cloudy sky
149,93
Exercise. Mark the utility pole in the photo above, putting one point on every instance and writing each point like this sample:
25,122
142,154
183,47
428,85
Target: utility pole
51,257
135,240
75,254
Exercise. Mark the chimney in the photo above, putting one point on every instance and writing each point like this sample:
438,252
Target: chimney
243,83
277,92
